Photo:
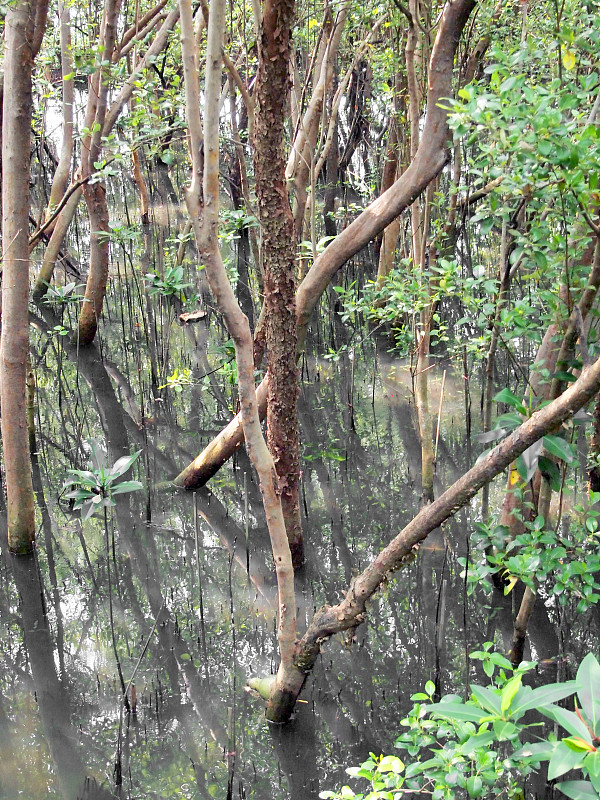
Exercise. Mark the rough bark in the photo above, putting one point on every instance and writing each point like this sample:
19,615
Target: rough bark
428,162
279,259
389,239
21,39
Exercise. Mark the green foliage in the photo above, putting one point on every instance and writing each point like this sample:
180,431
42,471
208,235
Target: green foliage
171,284
97,486
178,380
474,748
62,295
562,563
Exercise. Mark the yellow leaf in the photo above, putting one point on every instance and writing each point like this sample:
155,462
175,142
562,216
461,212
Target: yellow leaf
569,60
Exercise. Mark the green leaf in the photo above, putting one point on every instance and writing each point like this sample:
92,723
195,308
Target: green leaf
563,759
568,719
505,730
578,745
559,447
509,421
588,690
527,462
474,786
487,698
540,751
592,764
509,690
506,396
479,740
121,466
88,509
541,698
97,455
391,764
461,711
126,486
550,472
567,377
578,790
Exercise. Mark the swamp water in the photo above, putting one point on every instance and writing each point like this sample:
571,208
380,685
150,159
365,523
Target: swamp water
171,595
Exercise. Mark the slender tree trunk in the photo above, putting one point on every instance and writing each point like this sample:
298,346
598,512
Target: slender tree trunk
61,176
21,45
95,193
352,610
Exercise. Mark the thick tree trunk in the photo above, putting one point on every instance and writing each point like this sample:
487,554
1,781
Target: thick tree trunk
21,38
429,161
279,259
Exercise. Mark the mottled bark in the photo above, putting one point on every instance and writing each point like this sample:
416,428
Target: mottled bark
279,259
21,40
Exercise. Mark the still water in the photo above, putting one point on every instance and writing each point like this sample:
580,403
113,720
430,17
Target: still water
127,642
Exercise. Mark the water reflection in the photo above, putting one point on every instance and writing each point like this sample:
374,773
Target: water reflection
192,592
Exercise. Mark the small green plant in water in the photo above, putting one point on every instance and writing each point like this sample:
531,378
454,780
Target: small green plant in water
61,295
95,487
472,749
171,284
178,380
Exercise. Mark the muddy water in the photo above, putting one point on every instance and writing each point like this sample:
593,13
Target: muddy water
169,599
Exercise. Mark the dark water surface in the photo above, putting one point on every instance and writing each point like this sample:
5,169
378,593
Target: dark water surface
173,594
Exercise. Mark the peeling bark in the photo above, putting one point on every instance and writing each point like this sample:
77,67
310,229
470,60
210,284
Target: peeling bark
279,260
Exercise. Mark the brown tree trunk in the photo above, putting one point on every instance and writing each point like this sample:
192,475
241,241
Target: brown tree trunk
22,41
95,193
279,259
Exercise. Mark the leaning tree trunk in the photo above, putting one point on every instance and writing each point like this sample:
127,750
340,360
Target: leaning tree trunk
25,22
352,610
279,259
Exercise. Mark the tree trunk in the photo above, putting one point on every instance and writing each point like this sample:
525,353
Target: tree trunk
95,193
20,50
203,207
279,259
